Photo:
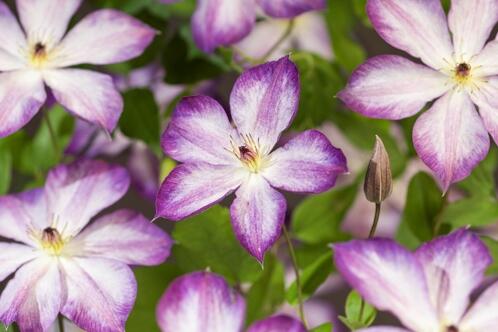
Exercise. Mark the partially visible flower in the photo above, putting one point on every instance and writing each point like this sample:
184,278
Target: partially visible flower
428,290
57,259
219,158
38,53
452,136
279,323
225,22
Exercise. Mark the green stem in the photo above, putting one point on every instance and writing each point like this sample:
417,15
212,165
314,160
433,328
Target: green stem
282,38
60,321
15,327
51,130
298,278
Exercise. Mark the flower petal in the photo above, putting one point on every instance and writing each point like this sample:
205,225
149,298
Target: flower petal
45,21
104,37
113,291
199,131
265,99
87,186
464,259
87,94
200,302
139,242
485,99
392,87
222,22
12,41
34,296
382,329
21,95
485,63
471,23
483,315
258,213
451,138
416,26
389,277
143,166
280,323
12,256
307,163
193,188
290,8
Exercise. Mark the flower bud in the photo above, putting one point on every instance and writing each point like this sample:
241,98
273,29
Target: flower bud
378,180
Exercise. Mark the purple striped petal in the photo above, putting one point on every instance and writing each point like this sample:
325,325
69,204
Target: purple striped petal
290,8
104,37
193,188
87,94
280,323
222,22
389,277
143,166
486,63
87,187
113,290
12,256
451,138
21,95
34,296
392,87
258,213
471,23
416,26
307,163
463,258
483,315
485,99
200,302
264,100
199,131
12,41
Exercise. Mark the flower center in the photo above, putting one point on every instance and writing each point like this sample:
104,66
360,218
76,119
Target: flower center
462,72
452,328
249,154
52,241
39,55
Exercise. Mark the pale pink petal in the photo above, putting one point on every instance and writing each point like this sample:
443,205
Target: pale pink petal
100,293
87,94
200,302
87,187
416,26
383,329
390,278
290,8
12,41
307,163
34,296
311,34
263,36
486,99
193,188
34,203
222,22
124,236
280,323
471,23
485,63
392,87
258,213
45,21
21,95
483,315
104,37
463,259
451,138
264,100
12,256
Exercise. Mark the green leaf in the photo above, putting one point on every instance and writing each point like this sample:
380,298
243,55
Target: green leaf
267,293
326,327
182,9
359,314
493,249
140,118
311,278
482,179
473,211
6,162
207,241
129,6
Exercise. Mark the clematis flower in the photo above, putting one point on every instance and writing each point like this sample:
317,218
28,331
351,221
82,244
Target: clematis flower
57,259
225,22
204,302
38,54
459,72
428,290
219,159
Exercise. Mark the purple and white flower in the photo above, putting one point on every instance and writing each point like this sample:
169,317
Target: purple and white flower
37,55
225,22
428,290
460,72
219,158
57,258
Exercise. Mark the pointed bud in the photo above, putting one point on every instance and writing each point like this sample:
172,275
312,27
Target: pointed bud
378,181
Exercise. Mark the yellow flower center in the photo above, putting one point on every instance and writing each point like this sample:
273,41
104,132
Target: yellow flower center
249,153
462,73
52,241
38,55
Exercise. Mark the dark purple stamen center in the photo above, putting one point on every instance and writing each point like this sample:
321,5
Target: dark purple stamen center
452,328
463,69
39,49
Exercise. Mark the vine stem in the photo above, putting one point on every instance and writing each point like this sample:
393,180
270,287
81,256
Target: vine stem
60,321
282,38
298,277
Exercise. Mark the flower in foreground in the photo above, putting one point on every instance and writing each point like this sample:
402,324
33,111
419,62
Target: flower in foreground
204,302
219,158
61,265
38,54
459,74
428,290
